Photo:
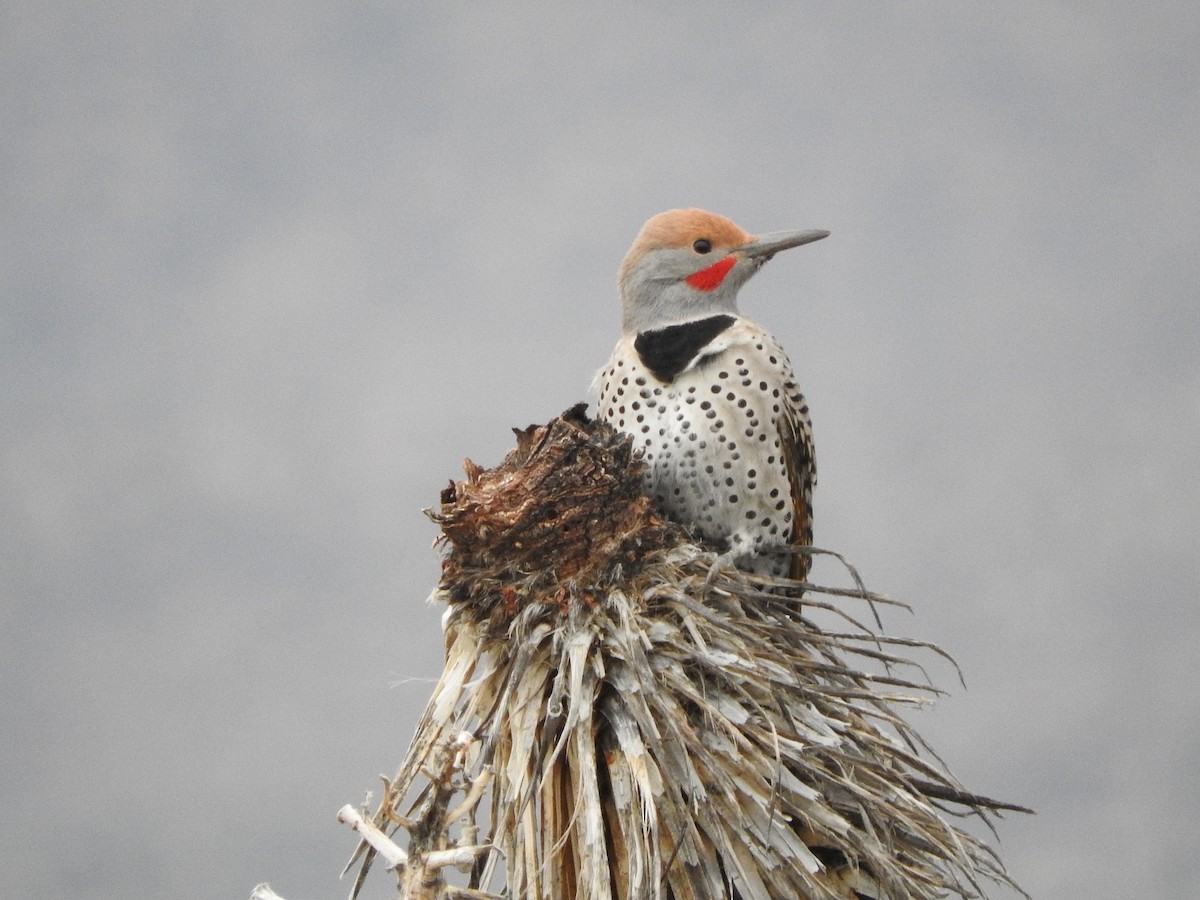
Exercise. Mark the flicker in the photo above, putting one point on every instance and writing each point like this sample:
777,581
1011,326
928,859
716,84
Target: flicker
708,395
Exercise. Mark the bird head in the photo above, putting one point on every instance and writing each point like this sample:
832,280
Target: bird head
688,264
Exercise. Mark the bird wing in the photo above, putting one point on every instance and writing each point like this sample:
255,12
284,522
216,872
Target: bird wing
796,444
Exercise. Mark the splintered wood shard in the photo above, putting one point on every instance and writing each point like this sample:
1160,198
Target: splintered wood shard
622,716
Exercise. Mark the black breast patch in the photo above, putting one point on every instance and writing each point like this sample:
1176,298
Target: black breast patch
669,351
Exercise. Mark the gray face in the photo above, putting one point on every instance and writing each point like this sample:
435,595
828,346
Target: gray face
656,293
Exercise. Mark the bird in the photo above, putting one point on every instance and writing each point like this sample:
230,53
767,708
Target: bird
708,395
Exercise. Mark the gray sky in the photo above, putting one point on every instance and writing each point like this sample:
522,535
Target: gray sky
268,272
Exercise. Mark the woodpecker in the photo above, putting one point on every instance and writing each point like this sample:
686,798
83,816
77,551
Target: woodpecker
708,395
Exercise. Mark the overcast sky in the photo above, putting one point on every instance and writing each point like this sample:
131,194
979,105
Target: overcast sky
270,271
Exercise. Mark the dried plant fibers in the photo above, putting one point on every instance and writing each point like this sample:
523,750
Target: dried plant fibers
616,721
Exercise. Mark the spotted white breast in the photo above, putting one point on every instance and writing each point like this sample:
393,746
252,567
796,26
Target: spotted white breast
714,408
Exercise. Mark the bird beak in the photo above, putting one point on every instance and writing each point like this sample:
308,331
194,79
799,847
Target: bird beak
765,246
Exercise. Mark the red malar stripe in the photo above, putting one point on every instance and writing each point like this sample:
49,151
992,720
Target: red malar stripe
709,279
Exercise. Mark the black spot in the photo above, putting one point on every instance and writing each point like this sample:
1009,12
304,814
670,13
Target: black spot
702,245
668,351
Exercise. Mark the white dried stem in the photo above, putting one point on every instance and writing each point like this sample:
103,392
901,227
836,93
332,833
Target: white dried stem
382,844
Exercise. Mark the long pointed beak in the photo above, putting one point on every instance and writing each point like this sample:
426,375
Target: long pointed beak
767,245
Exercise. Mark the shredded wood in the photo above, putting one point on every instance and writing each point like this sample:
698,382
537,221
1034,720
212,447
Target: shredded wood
618,719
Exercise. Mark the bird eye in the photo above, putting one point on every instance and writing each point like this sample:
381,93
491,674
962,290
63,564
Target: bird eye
703,245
